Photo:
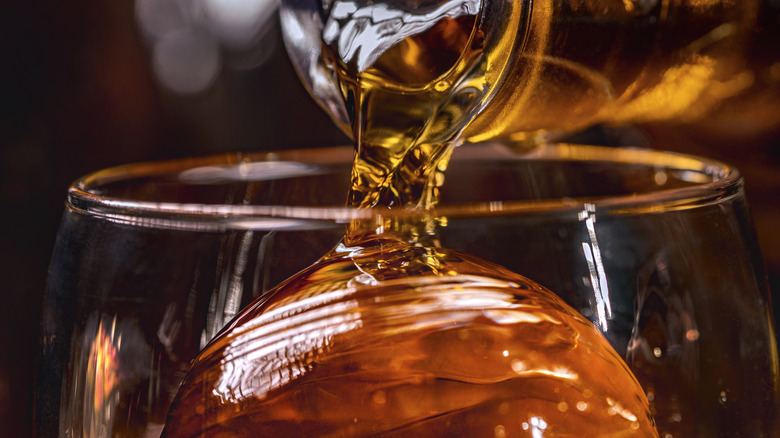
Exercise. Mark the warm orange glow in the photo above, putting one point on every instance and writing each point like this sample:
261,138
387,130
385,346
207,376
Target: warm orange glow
102,369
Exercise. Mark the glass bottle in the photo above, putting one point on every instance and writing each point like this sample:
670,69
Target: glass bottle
528,70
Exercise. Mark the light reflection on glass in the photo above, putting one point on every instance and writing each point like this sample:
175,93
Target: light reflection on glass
96,379
362,32
617,409
245,171
598,278
109,358
225,300
102,370
277,347
523,368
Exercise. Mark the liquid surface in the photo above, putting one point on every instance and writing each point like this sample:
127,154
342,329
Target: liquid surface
393,340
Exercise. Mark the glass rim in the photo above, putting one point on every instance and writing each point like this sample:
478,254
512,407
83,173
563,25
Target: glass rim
713,181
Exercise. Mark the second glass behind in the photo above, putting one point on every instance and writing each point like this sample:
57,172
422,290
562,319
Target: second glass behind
656,250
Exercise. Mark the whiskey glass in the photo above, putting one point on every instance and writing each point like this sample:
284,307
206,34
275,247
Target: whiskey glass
656,249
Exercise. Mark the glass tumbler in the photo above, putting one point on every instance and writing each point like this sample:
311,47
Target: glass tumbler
656,249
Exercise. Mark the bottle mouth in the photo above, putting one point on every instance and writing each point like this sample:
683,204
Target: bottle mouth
408,44
306,188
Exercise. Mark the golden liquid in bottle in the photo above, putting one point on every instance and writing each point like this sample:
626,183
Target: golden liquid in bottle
616,62
392,335
556,67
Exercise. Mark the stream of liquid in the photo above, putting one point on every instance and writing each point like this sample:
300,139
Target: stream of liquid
392,335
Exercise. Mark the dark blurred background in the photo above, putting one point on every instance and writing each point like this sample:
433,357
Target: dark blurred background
88,84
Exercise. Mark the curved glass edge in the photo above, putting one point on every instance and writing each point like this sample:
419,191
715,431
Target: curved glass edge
716,183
